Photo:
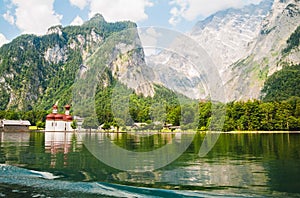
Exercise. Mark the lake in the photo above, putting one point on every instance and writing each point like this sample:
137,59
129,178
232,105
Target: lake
44,164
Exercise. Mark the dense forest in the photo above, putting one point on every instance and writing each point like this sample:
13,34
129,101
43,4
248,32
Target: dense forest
279,108
120,106
261,116
282,85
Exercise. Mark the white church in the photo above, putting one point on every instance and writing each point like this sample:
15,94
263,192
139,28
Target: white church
59,122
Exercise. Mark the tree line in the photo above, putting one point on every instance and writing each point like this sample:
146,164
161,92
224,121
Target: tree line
256,115
252,115
35,117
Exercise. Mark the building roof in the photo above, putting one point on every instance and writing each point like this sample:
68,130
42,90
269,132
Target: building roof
15,122
59,117
54,116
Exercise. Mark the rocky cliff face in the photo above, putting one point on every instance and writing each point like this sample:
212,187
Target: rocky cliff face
129,68
36,71
177,73
123,56
226,37
230,35
248,75
246,46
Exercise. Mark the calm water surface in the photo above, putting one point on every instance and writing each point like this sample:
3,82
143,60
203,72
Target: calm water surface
38,164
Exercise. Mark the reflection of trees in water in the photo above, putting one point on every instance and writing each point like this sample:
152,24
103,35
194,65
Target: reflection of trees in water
254,162
143,141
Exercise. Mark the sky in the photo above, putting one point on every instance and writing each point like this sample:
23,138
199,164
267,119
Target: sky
36,16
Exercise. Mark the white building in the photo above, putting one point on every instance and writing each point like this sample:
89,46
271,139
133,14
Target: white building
14,125
59,122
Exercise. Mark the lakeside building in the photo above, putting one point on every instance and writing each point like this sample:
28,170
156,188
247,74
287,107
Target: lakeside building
14,125
59,122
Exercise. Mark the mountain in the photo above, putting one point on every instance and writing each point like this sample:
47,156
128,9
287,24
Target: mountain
99,68
37,71
230,35
226,37
246,45
272,50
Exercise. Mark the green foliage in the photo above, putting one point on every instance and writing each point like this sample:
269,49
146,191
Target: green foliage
294,41
4,98
119,106
255,116
90,123
40,125
74,124
37,83
106,126
204,115
34,117
282,84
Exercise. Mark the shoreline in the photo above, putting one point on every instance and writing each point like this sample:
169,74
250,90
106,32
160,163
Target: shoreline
174,132
161,132
260,132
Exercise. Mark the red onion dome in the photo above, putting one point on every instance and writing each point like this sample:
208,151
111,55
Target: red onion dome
59,117
54,106
69,118
50,116
67,107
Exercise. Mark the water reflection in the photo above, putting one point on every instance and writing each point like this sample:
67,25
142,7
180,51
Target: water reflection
60,143
259,164
133,152
14,137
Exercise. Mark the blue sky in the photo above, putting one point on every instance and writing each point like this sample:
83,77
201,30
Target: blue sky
36,16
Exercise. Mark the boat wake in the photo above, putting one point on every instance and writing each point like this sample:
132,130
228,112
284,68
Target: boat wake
48,184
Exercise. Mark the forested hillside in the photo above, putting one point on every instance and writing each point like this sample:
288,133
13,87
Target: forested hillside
282,85
37,71
293,42
256,115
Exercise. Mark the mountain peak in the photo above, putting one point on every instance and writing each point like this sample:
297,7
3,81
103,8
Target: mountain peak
55,30
97,17
96,20
252,10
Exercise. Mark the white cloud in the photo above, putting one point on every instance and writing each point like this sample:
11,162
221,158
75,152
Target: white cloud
79,3
119,10
191,9
9,18
77,21
176,16
3,40
35,16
